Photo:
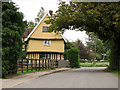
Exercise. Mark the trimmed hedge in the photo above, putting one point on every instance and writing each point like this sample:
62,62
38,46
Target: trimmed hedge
73,56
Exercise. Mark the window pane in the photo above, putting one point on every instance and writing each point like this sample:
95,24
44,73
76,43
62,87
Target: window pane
47,42
45,28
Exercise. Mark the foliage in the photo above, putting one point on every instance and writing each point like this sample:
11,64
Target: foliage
97,64
91,56
102,18
116,72
98,56
99,45
40,14
68,45
83,51
74,57
31,24
66,54
108,54
12,31
82,60
0,40
113,54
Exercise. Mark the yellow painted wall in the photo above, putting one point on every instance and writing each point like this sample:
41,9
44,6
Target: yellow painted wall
44,35
38,45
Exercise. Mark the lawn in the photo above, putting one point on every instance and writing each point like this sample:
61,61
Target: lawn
116,73
97,64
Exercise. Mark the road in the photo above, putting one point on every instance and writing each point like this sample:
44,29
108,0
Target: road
85,77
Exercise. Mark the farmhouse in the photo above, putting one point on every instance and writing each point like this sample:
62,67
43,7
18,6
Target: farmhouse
43,44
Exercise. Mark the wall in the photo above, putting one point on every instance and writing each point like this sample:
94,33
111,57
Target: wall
38,45
44,35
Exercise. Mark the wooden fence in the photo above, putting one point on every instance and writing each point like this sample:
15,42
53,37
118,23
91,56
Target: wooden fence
36,64
32,62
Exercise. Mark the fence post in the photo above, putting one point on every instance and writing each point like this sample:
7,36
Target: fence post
39,62
42,63
27,64
45,62
22,65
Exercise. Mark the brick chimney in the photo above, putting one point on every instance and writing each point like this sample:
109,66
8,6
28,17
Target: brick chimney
51,12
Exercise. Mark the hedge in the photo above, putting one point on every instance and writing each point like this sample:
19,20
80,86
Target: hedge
73,56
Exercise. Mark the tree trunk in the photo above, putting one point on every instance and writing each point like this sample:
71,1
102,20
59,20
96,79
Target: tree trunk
115,57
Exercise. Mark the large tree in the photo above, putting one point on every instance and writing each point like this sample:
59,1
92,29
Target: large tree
12,31
102,18
83,51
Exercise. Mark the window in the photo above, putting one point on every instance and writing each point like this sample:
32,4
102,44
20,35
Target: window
45,28
47,42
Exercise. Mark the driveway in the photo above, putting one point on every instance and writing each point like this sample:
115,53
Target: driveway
84,77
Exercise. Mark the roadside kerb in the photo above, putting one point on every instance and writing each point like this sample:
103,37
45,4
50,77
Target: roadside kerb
8,83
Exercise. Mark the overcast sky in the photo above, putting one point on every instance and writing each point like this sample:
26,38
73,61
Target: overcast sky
30,8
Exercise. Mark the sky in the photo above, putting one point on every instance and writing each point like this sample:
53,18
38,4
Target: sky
30,8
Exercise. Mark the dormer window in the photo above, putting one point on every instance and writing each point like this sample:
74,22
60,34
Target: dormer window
47,42
45,28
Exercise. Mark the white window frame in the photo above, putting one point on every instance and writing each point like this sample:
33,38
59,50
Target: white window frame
47,42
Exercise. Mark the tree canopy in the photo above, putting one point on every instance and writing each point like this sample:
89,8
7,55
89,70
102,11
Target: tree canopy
12,30
102,18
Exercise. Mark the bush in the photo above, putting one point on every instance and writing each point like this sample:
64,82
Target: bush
73,56
92,55
82,60
66,54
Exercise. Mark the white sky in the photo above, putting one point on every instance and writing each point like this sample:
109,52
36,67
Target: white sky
30,8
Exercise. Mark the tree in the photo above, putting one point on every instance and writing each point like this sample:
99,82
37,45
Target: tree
101,47
99,44
40,14
0,40
68,45
102,18
31,24
12,31
83,51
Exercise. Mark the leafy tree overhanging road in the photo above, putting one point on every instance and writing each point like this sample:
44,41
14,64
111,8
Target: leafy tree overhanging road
100,18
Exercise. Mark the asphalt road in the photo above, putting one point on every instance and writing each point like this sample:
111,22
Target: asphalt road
85,77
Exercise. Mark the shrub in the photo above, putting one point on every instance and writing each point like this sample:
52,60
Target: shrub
98,56
66,54
82,60
92,55
73,56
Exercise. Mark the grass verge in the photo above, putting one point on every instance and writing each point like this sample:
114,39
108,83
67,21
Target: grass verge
25,72
97,64
115,72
